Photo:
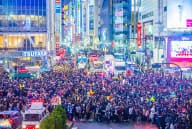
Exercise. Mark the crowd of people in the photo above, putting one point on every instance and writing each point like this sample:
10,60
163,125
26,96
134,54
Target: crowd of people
162,100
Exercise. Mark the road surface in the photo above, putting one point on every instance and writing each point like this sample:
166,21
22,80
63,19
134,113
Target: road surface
94,125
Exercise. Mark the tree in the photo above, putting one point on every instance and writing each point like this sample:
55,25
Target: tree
56,120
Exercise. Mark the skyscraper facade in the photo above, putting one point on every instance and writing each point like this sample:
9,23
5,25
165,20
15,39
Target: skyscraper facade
115,21
22,24
121,21
23,29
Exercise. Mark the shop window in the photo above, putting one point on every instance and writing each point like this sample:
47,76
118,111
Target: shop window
1,41
44,21
32,21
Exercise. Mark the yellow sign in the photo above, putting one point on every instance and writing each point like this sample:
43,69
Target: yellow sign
66,7
108,97
75,90
21,86
152,99
91,92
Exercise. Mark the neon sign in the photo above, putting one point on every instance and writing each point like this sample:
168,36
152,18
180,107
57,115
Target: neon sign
139,34
34,53
189,22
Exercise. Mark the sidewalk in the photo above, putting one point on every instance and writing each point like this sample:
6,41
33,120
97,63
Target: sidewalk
70,124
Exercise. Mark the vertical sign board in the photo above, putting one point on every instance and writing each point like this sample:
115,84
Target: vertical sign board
57,23
84,17
91,20
189,22
139,34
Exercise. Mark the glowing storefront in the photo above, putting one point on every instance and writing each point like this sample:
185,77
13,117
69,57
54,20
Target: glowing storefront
23,25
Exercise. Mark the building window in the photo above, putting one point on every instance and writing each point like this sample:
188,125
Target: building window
165,9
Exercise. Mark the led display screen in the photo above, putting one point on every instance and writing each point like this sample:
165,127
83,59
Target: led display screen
179,49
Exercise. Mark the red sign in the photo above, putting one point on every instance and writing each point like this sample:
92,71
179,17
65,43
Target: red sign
22,70
139,34
57,1
189,22
57,45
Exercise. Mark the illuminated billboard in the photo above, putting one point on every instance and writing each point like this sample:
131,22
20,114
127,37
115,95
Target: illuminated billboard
179,14
179,49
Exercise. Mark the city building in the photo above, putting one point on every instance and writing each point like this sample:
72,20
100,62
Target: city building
166,26
23,31
106,26
121,22
80,22
115,23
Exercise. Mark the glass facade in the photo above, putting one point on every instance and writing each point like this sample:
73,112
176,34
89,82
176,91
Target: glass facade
23,25
121,19
23,15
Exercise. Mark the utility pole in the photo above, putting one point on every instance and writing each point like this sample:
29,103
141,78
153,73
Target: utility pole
135,24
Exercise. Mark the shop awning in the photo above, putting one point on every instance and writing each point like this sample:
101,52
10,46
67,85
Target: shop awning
22,75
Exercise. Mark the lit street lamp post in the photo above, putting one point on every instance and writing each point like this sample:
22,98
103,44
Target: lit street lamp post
105,50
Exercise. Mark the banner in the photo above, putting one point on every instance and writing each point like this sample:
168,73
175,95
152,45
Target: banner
138,34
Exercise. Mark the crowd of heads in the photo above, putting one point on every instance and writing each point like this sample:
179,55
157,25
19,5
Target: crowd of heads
163,100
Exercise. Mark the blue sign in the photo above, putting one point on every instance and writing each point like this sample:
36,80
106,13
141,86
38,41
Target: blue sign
57,8
83,60
91,19
34,53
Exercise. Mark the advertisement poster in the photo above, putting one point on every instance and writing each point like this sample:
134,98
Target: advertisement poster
139,34
57,6
179,49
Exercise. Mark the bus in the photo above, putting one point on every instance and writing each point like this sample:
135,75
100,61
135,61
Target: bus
82,60
33,117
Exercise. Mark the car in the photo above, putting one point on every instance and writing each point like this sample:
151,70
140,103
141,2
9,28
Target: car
133,68
11,119
2,127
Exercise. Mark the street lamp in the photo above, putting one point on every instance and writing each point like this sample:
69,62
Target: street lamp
104,50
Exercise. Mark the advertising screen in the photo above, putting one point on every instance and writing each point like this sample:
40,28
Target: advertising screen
178,14
91,20
179,49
